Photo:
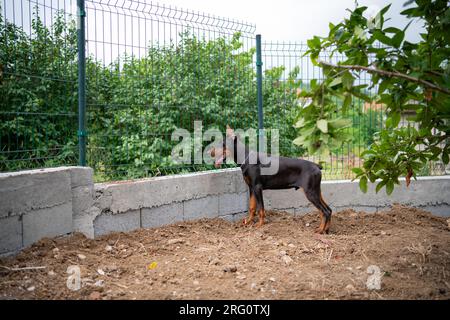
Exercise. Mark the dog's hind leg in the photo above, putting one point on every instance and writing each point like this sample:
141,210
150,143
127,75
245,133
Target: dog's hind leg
314,198
251,208
328,215
259,204
311,186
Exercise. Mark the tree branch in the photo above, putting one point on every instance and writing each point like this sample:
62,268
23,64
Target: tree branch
387,74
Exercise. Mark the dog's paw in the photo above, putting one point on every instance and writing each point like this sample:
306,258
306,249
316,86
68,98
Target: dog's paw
319,231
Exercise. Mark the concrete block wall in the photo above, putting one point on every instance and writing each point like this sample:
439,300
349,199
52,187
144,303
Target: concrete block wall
429,193
159,201
40,203
52,202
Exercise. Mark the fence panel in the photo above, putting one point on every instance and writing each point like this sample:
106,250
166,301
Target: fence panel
286,66
152,69
38,74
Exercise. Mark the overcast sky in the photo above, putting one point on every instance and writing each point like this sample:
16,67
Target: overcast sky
294,20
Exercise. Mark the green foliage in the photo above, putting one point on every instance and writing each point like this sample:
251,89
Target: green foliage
146,99
409,77
38,104
134,104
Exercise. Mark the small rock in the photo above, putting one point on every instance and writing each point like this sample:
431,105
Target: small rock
174,241
383,233
230,269
241,277
448,223
111,268
108,248
214,262
286,259
51,273
81,256
196,283
95,295
291,245
307,225
99,283
358,267
350,288
253,286
272,279
101,272
55,250
197,289
32,288
282,253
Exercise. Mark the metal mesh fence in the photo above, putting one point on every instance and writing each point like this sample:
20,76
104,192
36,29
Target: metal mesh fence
38,74
150,69
286,65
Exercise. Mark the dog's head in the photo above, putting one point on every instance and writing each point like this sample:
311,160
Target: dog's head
222,152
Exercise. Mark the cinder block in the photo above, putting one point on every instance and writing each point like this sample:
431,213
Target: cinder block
48,222
82,199
237,217
439,210
24,191
303,210
84,223
10,234
230,203
163,215
124,222
155,192
284,199
103,197
81,176
207,207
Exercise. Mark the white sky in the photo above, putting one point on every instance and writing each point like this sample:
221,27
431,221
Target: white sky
293,20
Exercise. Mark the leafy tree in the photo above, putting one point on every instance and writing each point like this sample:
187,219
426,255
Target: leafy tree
407,76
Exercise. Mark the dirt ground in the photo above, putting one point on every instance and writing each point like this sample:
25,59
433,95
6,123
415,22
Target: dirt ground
215,259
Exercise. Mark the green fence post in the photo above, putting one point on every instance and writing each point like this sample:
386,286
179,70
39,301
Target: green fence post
81,82
259,92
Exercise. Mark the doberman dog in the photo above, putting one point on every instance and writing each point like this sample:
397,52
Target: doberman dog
292,173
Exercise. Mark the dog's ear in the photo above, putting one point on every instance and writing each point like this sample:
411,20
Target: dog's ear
230,132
